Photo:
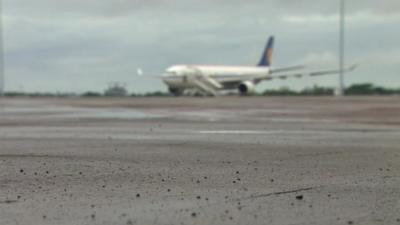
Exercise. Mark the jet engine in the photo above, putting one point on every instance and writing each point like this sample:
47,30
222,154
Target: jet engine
246,88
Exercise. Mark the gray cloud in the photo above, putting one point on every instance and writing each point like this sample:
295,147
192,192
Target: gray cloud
79,45
123,7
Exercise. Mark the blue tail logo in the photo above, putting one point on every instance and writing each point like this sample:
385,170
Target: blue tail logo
266,58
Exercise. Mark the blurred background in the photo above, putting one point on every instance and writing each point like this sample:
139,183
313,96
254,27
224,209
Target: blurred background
79,46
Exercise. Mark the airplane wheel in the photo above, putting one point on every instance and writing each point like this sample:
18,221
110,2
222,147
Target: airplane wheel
176,91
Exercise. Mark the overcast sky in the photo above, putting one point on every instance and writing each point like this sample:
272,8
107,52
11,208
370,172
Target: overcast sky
75,45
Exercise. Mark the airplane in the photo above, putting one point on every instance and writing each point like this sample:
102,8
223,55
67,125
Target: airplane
212,79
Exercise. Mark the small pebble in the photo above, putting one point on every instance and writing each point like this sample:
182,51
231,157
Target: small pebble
299,197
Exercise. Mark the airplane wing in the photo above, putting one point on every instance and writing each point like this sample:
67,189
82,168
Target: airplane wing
283,76
141,73
283,73
285,69
246,77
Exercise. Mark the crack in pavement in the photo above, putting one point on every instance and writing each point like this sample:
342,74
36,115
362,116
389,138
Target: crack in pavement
251,197
277,193
8,201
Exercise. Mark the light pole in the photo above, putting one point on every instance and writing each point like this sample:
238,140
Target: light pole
2,76
340,91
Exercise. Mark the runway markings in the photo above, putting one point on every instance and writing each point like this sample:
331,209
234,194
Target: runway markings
294,132
235,132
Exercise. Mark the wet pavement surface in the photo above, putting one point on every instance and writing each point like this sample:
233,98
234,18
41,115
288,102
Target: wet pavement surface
227,160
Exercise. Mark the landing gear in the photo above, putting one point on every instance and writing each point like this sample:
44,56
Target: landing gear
176,91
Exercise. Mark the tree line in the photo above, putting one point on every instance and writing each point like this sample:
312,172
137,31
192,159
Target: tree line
118,91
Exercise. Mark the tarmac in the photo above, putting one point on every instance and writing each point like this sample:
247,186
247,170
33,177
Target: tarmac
227,160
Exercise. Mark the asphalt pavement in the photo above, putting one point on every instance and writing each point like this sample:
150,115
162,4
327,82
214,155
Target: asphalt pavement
228,160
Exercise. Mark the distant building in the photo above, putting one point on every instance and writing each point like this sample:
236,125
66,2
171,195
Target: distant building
116,90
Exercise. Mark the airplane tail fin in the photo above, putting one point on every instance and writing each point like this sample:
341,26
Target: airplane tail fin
266,58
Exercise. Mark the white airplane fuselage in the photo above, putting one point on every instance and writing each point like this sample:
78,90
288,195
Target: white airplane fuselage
178,76
211,79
